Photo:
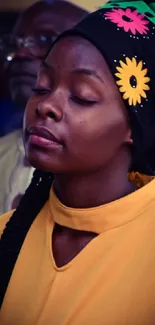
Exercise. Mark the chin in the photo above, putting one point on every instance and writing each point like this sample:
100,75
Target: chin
45,164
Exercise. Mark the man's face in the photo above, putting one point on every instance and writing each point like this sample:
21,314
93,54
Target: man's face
34,34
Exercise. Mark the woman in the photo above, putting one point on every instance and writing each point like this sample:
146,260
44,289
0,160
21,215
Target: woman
84,251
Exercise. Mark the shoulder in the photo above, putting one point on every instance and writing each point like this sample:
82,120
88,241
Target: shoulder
10,148
11,136
142,206
4,219
7,141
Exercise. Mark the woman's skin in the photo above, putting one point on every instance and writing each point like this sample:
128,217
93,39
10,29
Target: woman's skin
76,101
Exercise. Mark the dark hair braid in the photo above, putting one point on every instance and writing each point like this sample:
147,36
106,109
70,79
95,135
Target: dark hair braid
19,224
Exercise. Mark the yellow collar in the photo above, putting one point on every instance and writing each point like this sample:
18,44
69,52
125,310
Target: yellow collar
105,217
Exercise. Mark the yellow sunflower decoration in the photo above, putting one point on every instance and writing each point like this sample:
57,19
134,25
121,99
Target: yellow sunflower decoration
133,80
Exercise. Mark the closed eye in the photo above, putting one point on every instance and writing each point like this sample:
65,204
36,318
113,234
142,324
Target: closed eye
40,91
84,102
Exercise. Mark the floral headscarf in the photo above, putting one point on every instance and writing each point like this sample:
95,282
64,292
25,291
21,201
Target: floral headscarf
124,32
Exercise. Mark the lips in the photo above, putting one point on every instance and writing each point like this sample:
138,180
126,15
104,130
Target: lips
43,133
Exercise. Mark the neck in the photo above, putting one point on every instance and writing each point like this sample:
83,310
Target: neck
94,189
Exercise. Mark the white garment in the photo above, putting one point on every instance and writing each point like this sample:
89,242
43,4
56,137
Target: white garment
15,176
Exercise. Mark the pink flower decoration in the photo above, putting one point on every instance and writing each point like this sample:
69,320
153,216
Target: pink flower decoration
129,20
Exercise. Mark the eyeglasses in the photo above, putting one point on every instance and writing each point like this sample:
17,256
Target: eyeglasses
37,46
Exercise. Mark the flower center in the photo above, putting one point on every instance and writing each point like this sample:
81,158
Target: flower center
127,19
133,81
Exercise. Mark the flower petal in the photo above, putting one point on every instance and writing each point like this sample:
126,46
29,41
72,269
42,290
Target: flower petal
118,75
130,101
125,96
143,94
123,65
140,65
146,79
119,83
146,87
119,69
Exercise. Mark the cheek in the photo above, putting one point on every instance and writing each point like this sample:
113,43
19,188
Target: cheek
29,111
98,134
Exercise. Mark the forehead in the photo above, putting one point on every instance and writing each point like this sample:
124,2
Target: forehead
73,52
51,19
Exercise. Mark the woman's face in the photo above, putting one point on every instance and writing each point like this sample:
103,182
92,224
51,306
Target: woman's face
76,121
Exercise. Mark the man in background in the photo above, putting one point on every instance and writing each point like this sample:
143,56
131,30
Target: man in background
29,43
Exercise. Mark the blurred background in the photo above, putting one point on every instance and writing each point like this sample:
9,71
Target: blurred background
10,9
20,5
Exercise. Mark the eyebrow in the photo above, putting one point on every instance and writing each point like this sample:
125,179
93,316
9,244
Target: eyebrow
88,72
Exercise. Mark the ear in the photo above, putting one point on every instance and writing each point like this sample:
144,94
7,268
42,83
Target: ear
128,137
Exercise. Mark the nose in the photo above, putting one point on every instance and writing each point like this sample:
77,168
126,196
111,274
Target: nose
50,108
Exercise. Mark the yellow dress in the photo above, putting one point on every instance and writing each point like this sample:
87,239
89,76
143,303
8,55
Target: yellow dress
111,281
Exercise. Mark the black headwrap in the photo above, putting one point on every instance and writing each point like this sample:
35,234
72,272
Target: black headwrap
124,32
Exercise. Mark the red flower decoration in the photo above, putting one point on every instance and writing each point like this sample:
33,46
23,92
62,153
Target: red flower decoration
129,20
